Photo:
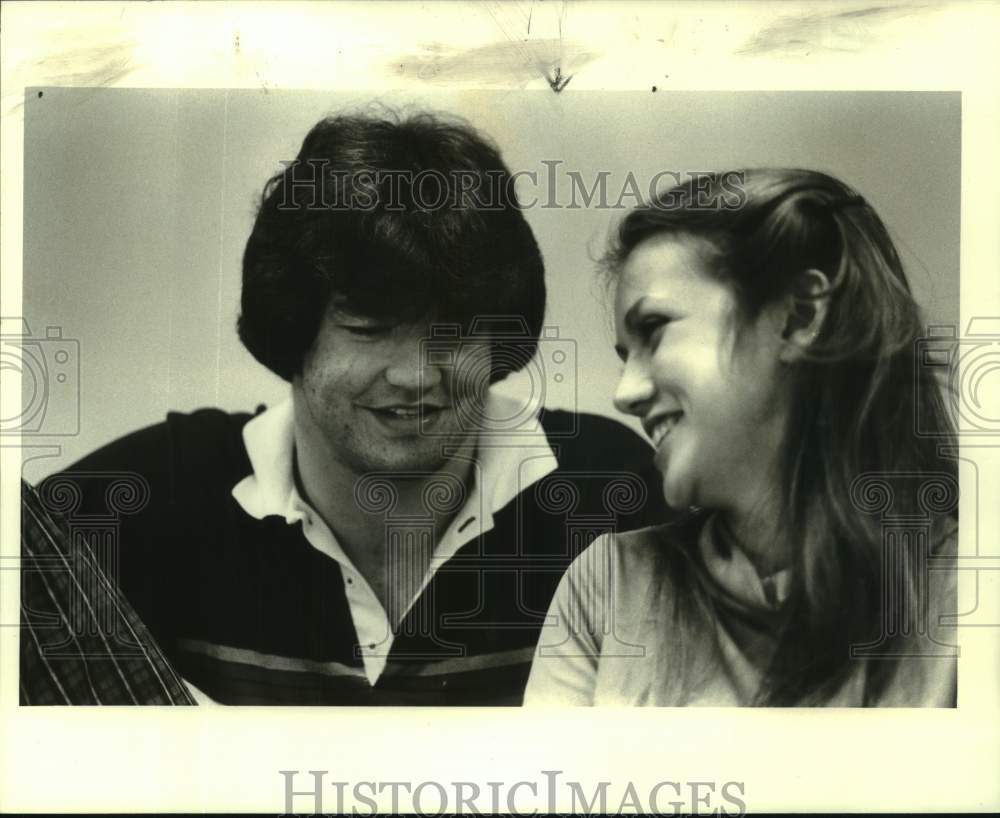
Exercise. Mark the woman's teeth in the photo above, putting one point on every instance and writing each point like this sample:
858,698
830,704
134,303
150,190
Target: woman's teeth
663,428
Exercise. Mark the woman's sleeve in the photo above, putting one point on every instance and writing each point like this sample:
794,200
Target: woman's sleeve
564,670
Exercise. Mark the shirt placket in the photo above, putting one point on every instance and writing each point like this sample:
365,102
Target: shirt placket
371,624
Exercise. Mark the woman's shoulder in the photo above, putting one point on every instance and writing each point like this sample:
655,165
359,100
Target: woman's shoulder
678,535
636,556
642,544
944,540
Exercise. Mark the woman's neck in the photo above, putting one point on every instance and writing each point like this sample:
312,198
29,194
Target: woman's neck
758,533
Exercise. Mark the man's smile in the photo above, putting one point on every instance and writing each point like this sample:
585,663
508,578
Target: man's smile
407,416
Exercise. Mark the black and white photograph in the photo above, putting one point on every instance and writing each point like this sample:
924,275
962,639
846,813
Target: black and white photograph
553,422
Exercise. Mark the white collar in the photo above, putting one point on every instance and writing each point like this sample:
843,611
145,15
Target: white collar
508,462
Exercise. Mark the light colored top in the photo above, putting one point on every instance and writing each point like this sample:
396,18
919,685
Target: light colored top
506,464
619,632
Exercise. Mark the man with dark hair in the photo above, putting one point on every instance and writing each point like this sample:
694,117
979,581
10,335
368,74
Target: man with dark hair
394,532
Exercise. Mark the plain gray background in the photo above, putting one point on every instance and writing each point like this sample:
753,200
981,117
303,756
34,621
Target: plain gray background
138,203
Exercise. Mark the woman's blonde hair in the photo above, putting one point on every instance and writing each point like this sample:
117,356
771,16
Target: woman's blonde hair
855,395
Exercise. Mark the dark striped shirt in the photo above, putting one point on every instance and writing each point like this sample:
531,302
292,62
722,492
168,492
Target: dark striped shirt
250,612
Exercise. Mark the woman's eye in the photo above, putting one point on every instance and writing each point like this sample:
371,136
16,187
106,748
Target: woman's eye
650,328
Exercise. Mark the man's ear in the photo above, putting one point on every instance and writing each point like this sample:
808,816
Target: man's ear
804,310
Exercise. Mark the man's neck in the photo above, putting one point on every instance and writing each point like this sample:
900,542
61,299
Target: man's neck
359,514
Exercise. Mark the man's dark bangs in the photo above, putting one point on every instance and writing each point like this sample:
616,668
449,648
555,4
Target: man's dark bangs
393,284
443,265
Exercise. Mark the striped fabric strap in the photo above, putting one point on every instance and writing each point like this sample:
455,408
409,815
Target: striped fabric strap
81,641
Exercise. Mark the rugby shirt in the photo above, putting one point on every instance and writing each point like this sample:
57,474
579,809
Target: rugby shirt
249,611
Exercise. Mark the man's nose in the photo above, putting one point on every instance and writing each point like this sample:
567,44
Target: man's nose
635,389
409,369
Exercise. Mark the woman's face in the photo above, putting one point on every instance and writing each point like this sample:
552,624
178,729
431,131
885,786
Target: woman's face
714,407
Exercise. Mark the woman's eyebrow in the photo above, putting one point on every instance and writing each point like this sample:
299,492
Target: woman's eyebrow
631,319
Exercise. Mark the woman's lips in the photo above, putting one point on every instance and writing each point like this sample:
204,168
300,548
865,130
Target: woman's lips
661,426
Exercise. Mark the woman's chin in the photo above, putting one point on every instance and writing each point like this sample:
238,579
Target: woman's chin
677,493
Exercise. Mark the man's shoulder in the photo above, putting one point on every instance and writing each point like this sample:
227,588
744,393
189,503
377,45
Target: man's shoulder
210,426
206,439
610,466
583,440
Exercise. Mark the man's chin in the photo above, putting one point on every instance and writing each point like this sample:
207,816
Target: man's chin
426,458
392,449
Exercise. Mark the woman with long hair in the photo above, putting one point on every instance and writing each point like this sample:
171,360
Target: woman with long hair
769,345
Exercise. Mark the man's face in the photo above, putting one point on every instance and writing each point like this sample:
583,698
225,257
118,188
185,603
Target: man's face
366,397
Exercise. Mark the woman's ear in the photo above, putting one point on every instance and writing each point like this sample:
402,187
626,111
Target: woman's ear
804,310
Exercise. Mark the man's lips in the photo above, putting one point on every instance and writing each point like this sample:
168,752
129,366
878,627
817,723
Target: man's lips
404,411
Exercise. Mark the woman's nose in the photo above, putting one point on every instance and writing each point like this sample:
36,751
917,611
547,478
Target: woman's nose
634,390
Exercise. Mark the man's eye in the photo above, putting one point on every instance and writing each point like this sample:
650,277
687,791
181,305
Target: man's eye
366,330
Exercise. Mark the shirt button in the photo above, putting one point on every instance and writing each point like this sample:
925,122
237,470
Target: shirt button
371,646
770,592
350,581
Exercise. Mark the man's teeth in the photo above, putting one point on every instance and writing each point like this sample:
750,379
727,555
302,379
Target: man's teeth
408,412
402,413
662,429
